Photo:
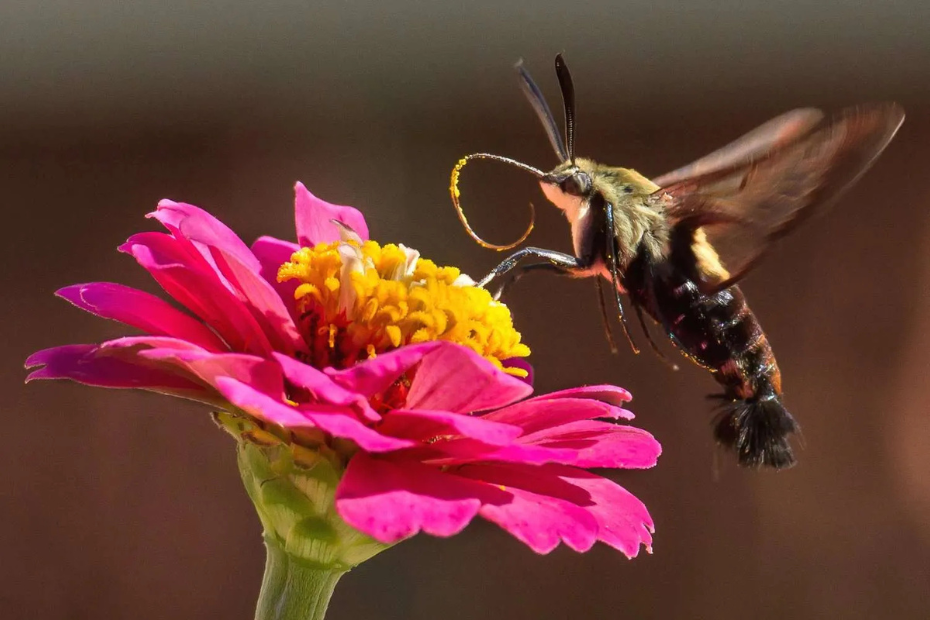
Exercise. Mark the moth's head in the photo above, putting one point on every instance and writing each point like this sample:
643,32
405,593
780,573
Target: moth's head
572,178
569,183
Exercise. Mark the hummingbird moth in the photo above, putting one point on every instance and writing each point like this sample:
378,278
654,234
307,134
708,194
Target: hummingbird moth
677,245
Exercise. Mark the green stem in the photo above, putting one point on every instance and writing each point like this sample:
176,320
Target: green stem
294,589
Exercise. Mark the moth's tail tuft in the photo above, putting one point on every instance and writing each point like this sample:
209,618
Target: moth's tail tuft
757,430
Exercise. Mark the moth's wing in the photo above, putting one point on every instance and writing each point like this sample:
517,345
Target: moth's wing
758,142
735,213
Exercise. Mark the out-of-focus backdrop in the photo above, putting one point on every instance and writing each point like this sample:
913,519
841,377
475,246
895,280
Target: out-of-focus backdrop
128,505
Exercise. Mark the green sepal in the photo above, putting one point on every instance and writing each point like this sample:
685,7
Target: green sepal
293,489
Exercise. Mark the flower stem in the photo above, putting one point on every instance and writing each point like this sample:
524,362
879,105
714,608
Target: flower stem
294,589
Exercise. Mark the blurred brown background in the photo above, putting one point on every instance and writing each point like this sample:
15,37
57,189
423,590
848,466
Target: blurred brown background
128,505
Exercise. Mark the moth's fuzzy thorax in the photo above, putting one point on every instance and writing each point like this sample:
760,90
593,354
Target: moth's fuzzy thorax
637,220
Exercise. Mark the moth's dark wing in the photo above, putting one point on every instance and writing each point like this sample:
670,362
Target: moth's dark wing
736,213
758,142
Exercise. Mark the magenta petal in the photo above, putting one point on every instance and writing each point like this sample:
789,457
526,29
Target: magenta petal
202,228
154,342
542,522
323,389
179,356
342,424
610,394
424,425
623,521
260,373
376,375
263,300
261,405
85,363
314,218
393,499
601,444
455,378
467,450
191,280
260,393
256,386
541,412
272,253
545,510
141,310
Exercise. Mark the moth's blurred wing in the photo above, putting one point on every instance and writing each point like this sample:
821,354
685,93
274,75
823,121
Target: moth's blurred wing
757,143
735,213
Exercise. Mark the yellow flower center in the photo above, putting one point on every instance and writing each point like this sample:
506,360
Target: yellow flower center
358,299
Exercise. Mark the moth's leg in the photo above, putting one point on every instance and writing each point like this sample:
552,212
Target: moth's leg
652,343
561,262
611,259
520,270
589,248
605,316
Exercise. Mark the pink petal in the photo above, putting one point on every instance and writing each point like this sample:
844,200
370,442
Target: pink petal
175,344
610,394
264,302
340,423
600,444
323,389
314,217
393,499
85,363
623,521
378,374
542,522
256,385
545,510
192,362
272,253
192,281
205,230
260,373
266,402
542,412
466,450
455,378
261,405
424,425
141,310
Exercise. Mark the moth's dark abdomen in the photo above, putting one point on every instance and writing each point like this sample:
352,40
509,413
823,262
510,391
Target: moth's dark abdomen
717,331
721,333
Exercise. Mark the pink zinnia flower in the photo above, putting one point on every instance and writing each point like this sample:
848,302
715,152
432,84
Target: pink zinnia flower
403,376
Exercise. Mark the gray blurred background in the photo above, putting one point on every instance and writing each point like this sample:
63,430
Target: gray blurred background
126,505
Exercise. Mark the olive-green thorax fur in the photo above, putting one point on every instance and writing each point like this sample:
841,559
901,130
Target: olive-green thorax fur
636,220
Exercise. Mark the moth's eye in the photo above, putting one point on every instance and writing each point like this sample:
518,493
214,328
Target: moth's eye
627,189
579,184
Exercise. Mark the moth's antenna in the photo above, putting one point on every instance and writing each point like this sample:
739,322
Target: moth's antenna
454,192
568,101
536,99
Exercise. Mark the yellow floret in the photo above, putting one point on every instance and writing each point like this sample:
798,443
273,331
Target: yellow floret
383,307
